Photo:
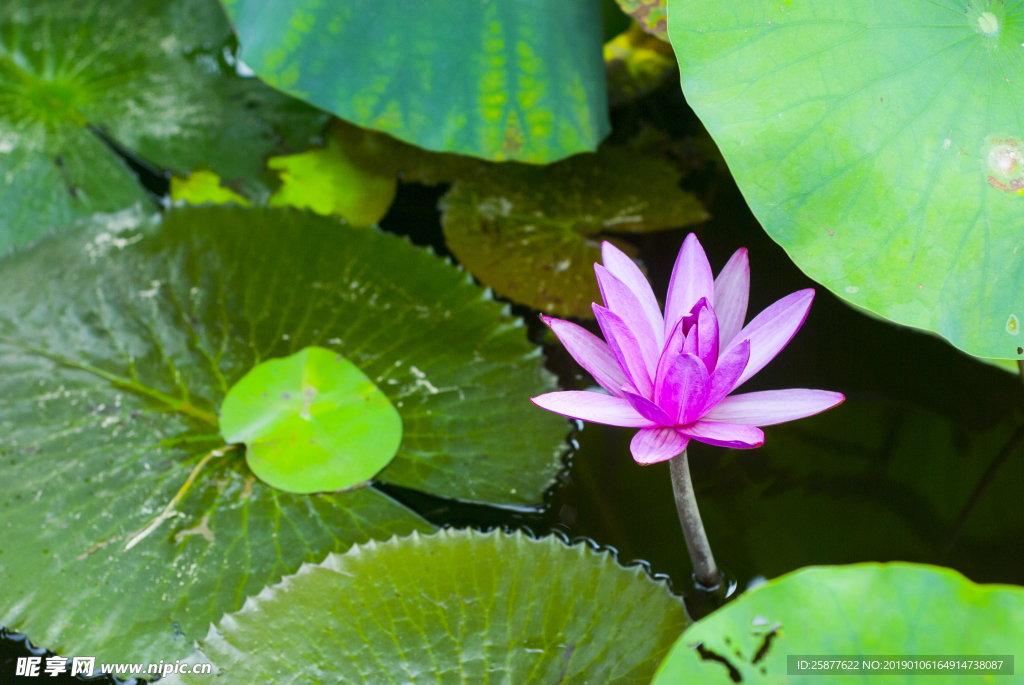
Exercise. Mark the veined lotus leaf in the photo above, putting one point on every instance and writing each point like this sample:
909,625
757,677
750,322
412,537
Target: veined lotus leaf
112,374
513,80
881,144
533,234
457,606
860,610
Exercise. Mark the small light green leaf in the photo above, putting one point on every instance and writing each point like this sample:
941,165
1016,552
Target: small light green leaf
311,422
112,373
203,186
533,234
459,607
636,63
881,144
355,176
513,80
864,609
145,74
651,15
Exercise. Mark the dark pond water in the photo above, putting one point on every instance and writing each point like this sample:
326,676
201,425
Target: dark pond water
886,476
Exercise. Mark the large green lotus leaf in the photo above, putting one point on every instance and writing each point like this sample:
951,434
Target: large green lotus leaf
518,79
144,74
822,490
880,144
118,342
534,233
865,609
311,422
455,607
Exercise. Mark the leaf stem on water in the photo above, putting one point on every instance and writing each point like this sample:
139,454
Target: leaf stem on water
169,511
704,568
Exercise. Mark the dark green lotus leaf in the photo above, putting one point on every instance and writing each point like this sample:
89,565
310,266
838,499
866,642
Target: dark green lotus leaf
111,374
651,15
459,607
144,75
881,144
864,609
311,422
519,79
533,234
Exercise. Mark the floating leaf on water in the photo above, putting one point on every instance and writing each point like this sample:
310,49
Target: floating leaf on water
112,373
864,609
880,144
311,422
518,80
533,234
460,606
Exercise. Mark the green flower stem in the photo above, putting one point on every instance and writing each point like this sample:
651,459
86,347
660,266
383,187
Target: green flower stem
704,567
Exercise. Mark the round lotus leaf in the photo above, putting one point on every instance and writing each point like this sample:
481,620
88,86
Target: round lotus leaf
517,79
455,607
861,610
311,422
119,340
881,144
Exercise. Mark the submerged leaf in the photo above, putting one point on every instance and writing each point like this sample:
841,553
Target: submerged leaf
111,375
861,610
533,234
458,606
311,422
80,80
520,79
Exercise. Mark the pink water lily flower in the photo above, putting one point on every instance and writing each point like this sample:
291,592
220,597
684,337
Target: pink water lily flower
670,375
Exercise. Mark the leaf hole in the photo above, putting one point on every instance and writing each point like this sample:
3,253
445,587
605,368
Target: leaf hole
707,655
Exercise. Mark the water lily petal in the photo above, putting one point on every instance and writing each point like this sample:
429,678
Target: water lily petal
592,353
592,406
730,368
772,329
621,301
735,435
651,445
691,280
626,350
773,406
732,290
648,409
707,342
624,269
673,348
684,391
